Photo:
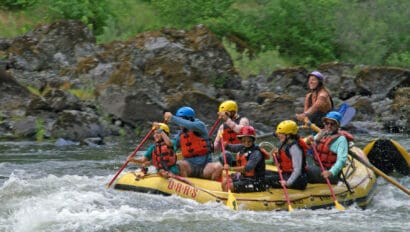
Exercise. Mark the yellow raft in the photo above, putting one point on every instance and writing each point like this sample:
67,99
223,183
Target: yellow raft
388,156
359,189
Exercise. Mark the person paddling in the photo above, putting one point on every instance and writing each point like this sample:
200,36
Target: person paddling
331,146
232,123
195,145
161,153
291,157
249,164
318,101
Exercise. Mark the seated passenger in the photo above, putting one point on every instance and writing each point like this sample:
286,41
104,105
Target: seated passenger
291,157
161,153
250,165
331,146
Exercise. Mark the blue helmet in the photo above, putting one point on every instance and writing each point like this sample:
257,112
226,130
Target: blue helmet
334,115
185,111
317,74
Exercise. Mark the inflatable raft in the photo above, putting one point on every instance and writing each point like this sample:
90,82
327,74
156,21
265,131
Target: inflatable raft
358,189
388,156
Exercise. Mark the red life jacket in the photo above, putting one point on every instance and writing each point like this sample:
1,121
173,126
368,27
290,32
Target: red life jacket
229,135
327,156
193,145
162,155
242,160
285,158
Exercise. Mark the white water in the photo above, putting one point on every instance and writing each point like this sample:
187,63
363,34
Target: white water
46,188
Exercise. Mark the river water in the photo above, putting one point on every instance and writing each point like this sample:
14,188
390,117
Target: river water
44,187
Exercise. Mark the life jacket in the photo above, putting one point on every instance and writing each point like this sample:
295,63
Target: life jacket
229,135
285,158
193,145
163,156
326,156
242,159
316,117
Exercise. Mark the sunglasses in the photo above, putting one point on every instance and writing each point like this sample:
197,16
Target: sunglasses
330,123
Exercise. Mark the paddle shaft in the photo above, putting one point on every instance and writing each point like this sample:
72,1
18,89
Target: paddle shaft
225,162
379,172
216,123
323,169
132,155
285,190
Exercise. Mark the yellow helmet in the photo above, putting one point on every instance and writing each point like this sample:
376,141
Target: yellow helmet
228,105
287,127
164,127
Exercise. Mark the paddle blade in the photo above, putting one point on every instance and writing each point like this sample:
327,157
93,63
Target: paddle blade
347,116
290,209
339,206
342,108
231,202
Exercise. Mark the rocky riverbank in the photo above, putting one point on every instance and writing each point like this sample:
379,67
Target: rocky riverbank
56,82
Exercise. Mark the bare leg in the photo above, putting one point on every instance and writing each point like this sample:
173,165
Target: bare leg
184,168
213,171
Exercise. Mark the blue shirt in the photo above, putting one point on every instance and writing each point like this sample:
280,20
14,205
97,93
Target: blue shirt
341,148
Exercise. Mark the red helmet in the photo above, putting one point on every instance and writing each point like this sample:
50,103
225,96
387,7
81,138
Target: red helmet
247,131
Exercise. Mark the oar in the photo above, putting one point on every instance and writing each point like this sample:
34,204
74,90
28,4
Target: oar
368,164
337,205
285,190
132,155
216,123
231,202
378,171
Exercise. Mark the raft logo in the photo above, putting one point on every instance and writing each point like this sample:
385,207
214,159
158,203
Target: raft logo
183,189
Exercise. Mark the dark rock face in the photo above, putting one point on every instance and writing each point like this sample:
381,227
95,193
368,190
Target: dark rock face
88,90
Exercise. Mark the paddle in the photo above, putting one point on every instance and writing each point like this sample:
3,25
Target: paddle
367,164
285,190
216,123
337,205
347,113
231,202
378,171
132,155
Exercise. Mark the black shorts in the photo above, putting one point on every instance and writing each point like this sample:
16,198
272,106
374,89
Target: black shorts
196,170
247,184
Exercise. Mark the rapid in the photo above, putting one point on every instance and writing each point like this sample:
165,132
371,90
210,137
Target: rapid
45,187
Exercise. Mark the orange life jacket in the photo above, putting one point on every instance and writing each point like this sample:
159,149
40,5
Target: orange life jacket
285,159
326,156
229,135
193,145
163,156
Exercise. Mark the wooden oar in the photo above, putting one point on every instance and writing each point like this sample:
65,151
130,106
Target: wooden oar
337,204
132,155
368,164
378,171
285,190
231,202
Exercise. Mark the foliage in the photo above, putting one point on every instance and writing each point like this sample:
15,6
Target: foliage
40,130
84,93
130,17
94,13
16,4
263,63
300,32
